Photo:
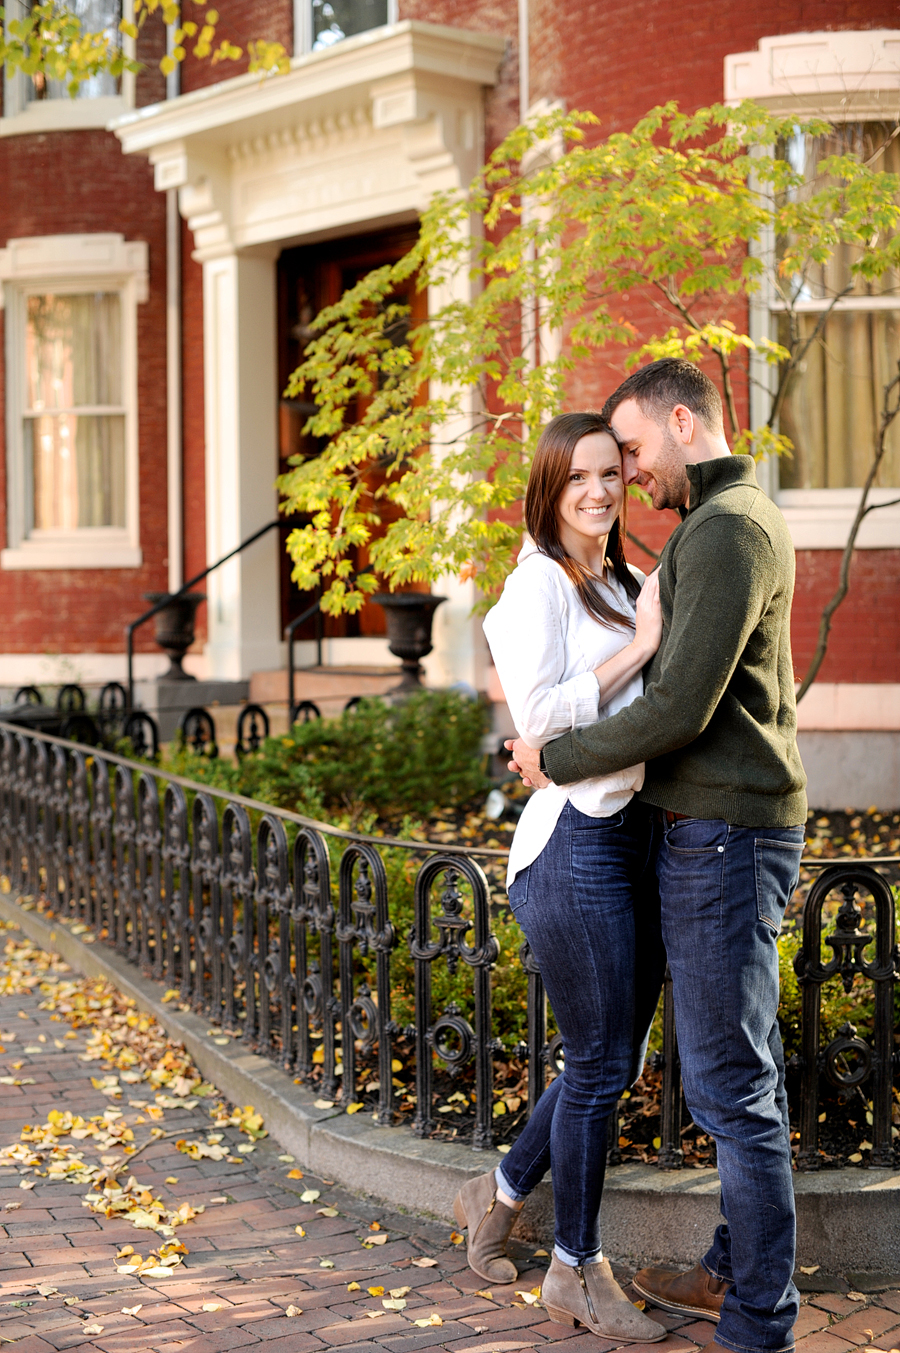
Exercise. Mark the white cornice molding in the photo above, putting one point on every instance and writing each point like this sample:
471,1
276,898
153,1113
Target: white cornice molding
360,133
68,258
839,75
314,79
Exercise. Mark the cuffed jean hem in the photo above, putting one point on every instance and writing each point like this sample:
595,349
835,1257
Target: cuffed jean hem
504,1184
744,1348
573,1261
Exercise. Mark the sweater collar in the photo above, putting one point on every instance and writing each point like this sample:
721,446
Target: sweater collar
710,477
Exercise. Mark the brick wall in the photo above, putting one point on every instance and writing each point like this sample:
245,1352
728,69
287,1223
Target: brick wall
74,182
241,21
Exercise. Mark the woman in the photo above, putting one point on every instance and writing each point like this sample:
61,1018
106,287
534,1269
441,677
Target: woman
569,637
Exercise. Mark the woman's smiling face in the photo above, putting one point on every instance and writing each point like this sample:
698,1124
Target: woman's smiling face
593,496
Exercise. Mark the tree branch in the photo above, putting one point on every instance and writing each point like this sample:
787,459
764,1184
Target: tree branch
889,412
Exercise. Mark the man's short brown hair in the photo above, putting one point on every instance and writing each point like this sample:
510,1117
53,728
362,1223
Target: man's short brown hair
659,387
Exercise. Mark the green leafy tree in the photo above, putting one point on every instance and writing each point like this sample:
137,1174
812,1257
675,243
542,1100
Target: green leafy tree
48,41
702,211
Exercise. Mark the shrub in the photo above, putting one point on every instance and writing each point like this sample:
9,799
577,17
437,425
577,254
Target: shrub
390,760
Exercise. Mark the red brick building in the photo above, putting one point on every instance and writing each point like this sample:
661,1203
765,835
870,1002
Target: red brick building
163,243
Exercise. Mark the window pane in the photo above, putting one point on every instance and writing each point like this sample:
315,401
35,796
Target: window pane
79,470
73,348
833,406
876,142
336,19
97,16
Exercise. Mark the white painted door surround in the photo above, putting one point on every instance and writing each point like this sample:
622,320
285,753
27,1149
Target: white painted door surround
353,138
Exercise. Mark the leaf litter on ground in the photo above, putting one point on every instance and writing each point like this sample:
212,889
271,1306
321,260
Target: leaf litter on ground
135,1049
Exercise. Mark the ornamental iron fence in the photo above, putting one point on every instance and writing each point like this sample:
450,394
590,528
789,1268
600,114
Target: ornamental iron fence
280,929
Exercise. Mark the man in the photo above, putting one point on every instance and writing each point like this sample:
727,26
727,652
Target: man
717,728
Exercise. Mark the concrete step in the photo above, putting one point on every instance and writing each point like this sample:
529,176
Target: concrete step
328,687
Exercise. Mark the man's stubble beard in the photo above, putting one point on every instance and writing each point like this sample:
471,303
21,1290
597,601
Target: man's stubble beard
669,475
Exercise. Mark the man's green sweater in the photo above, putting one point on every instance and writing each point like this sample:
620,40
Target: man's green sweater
717,723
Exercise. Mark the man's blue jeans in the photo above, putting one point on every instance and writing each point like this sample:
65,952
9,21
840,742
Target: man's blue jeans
723,893
585,903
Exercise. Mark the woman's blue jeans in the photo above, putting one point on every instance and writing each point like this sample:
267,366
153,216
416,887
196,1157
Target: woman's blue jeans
585,903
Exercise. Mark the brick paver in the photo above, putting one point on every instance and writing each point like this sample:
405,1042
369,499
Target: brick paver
246,1260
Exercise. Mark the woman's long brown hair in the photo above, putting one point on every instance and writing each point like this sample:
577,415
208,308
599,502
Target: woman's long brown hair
549,476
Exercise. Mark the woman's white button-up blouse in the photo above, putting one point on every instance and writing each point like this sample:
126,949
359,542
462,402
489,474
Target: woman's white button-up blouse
545,647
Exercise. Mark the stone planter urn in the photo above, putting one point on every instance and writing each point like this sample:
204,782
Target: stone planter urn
175,630
409,618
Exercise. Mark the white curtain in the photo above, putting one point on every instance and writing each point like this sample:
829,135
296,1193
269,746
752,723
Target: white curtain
834,403
75,446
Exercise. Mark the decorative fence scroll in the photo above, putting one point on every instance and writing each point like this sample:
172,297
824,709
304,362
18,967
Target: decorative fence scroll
232,904
849,1062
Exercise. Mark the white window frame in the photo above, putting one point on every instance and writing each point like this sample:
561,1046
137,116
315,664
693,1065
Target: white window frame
846,77
67,265
303,24
22,116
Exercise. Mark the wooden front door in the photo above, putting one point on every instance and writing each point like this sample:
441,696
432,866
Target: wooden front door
311,277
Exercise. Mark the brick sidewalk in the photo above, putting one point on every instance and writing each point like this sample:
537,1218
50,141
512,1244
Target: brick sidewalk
58,1279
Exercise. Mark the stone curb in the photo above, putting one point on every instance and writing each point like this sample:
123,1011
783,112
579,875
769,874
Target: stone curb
848,1220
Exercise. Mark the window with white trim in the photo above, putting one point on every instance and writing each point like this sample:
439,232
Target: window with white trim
321,23
71,338
31,103
851,78
832,409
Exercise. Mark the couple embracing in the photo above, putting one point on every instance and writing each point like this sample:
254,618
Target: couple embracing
657,719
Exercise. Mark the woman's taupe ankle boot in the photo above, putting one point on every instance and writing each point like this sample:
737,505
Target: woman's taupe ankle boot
489,1222
590,1296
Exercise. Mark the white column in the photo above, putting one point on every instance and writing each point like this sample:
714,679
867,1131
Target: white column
241,392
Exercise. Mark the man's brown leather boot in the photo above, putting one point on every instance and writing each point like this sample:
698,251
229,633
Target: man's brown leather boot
694,1293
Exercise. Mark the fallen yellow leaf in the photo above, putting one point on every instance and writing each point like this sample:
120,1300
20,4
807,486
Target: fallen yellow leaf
376,1240
294,1310
486,1293
326,1263
813,1268
393,1304
169,996
433,1319
211,1306
300,1231
295,1174
171,1179
355,1107
424,1262
132,1310
399,1291
375,1291
92,1329
456,1238
310,1195
353,1287
327,1212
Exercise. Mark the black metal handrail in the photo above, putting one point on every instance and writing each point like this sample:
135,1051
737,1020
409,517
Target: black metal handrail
244,924
289,631
185,588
